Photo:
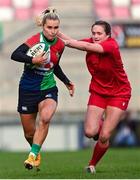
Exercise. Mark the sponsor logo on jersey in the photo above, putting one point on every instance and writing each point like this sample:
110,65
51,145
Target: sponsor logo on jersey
48,95
36,50
24,108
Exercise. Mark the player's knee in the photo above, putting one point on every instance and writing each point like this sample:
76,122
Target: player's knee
45,120
29,135
45,117
104,136
89,132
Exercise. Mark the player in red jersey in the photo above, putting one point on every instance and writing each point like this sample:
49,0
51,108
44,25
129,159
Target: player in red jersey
110,90
38,92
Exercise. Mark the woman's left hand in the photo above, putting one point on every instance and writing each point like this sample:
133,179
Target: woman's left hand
71,88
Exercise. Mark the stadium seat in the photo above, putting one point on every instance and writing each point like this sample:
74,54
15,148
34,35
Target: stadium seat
40,3
102,9
37,11
135,11
6,14
135,2
101,2
22,14
103,12
121,3
5,2
22,3
121,12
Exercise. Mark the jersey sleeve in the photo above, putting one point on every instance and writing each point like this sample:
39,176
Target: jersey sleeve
32,40
19,54
60,74
86,40
109,45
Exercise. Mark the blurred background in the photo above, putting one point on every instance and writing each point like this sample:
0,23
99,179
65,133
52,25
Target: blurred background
66,130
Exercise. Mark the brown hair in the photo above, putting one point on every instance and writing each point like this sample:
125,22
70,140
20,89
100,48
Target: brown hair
105,25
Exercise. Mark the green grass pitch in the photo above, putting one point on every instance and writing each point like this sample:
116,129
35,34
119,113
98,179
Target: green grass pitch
116,164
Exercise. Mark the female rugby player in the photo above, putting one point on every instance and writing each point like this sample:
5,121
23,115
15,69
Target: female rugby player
37,88
110,90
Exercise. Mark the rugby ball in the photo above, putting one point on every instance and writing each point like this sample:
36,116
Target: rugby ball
36,49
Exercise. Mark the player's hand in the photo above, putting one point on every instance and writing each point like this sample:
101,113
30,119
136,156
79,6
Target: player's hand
40,59
71,88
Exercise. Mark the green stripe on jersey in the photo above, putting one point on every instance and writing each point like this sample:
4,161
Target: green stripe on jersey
48,80
47,42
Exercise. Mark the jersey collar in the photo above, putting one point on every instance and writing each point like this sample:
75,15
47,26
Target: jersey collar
45,40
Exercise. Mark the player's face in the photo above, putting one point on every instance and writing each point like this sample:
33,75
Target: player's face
50,28
99,34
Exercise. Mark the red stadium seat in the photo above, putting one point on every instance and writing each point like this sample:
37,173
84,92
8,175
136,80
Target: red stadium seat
102,9
22,14
5,2
135,2
40,3
101,2
37,11
103,12
121,12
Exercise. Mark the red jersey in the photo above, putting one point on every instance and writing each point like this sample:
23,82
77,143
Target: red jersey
107,71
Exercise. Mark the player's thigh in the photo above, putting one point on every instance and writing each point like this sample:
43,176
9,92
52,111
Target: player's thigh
115,109
28,122
112,118
96,106
47,108
93,115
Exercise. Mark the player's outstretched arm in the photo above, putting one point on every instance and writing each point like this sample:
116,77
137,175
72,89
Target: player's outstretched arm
84,46
63,36
80,45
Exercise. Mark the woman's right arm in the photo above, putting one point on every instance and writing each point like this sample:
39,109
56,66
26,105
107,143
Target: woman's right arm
19,54
80,45
63,36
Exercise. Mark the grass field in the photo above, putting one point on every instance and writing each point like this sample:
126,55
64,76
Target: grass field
117,164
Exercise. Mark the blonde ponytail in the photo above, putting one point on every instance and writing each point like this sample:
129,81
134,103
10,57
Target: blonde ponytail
50,10
38,20
49,13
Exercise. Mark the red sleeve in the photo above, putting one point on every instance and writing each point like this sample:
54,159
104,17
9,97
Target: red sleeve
33,40
109,45
87,40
